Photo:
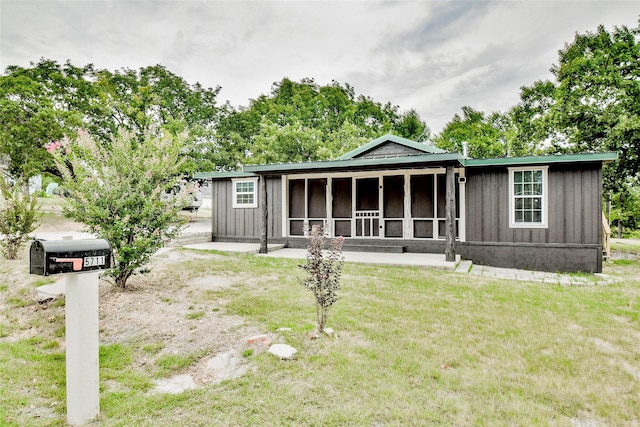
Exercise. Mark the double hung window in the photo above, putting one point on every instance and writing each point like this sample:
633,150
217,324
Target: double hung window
245,194
528,197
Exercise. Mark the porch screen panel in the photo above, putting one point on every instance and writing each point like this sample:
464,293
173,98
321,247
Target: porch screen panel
442,196
393,228
422,196
296,207
296,227
367,194
317,198
296,198
423,229
393,187
342,227
341,198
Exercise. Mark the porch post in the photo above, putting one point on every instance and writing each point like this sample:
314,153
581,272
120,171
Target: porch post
450,223
265,215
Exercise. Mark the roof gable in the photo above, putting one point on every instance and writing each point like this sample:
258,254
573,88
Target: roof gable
390,146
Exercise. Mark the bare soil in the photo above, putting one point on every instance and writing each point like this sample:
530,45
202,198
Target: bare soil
156,316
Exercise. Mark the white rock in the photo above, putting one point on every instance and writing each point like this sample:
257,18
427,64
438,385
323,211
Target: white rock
283,351
220,362
223,367
328,331
176,384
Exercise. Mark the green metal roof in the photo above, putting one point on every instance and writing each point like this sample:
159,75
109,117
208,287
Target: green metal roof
222,175
427,149
406,162
540,160
359,164
432,157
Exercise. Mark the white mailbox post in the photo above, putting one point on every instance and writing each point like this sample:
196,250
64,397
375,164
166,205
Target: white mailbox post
83,378
81,262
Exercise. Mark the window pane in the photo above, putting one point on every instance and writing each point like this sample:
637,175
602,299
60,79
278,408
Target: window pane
527,176
517,177
518,204
244,199
537,216
244,187
537,176
537,203
527,216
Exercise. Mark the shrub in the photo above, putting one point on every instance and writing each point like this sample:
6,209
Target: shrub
116,190
19,216
323,272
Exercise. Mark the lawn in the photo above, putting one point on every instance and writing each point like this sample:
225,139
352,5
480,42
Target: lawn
413,347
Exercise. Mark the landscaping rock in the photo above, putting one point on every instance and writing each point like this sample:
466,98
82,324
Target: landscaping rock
50,292
175,385
223,367
283,351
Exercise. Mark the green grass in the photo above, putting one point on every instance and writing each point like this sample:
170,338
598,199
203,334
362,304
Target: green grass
626,247
413,347
195,315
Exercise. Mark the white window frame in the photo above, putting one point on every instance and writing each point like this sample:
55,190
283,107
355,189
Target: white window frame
545,194
235,183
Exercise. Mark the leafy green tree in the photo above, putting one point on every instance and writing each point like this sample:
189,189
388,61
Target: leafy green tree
19,216
593,104
625,212
39,105
152,100
486,136
44,103
302,121
116,190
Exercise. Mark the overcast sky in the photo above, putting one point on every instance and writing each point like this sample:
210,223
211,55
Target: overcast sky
433,56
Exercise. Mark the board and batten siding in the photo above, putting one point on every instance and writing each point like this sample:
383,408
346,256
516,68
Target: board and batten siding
574,207
244,223
570,242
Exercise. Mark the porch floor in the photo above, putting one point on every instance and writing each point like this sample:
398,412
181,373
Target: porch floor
395,259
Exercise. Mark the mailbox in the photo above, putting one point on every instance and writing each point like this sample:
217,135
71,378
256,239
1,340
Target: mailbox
69,256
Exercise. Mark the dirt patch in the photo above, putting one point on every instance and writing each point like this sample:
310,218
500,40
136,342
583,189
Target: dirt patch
177,318
167,312
171,320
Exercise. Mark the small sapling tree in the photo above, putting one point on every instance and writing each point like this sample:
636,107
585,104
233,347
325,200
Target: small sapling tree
19,216
116,190
323,272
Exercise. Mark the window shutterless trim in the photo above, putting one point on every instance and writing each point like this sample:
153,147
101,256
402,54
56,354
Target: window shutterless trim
544,210
251,199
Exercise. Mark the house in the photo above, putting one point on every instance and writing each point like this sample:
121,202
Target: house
397,195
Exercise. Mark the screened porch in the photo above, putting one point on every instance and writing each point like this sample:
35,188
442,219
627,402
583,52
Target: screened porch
394,205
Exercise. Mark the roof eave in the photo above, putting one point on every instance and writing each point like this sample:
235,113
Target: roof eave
605,157
357,164
222,175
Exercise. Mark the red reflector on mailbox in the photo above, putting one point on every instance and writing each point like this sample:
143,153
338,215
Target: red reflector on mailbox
69,256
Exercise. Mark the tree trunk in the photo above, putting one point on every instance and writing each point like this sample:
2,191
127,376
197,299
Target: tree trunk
619,229
265,215
450,223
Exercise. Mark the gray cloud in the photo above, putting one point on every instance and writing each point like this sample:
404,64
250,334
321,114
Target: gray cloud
433,56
